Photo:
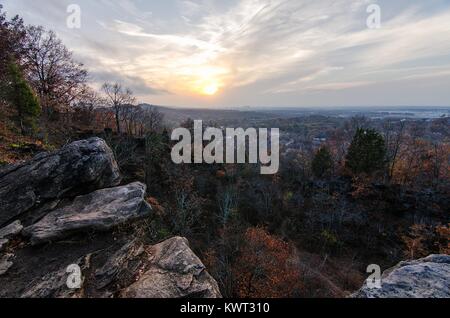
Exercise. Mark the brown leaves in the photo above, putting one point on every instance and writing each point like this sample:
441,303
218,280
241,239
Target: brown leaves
265,268
424,240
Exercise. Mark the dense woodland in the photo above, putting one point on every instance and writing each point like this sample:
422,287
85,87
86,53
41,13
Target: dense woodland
371,192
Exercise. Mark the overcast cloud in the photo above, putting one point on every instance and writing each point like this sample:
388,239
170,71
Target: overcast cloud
260,52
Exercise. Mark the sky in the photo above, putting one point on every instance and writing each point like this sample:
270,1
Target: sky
259,53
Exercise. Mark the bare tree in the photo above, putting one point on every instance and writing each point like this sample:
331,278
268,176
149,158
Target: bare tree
227,200
12,35
85,107
394,136
129,114
140,121
152,119
440,156
117,97
51,70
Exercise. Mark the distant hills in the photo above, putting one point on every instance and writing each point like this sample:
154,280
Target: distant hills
174,116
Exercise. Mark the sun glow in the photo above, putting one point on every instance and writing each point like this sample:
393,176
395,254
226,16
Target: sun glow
201,80
210,89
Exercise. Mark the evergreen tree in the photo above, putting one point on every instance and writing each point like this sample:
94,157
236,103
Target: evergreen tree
322,163
22,98
367,152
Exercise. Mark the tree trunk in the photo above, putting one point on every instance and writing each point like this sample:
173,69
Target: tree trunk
118,121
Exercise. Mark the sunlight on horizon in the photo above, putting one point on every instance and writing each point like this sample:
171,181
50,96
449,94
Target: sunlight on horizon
210,89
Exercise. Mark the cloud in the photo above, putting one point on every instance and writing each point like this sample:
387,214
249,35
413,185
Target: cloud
138,85
253,49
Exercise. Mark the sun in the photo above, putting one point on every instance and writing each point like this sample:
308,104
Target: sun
210,89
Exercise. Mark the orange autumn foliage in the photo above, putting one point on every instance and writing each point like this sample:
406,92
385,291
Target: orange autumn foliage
221,174
265,268
443,233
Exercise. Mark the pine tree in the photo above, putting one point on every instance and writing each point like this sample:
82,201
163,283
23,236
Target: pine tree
23,99
322,163
367,152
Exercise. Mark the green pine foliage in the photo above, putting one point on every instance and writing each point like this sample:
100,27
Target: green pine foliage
22,97
367,152
322,163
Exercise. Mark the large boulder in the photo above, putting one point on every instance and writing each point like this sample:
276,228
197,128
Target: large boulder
135,270
78,168
174,272
425,278
98,211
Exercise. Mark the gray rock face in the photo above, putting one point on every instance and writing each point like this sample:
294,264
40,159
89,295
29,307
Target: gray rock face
3,243
120,264
5,263
99,211
175,272
54,285
11,230
167,270
80,167
8,232
425,278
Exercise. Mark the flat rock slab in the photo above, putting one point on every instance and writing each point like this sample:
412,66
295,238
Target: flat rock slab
11,230
3,243
75,169
425,278
175,272
98,211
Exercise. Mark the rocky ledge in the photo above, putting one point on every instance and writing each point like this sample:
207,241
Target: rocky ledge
174,272
78,168
65,209
424,278
101,210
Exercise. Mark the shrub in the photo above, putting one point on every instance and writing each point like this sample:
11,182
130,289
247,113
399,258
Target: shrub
265,268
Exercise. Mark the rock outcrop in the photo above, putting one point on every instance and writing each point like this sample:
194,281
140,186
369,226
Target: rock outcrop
123,263
425,278
166,270
71,198
8,232
78,168
54,284
5,263
3,243
98,211
175,272
11,230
